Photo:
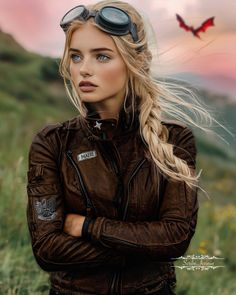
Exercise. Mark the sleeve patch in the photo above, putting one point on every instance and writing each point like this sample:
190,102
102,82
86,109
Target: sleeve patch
46,209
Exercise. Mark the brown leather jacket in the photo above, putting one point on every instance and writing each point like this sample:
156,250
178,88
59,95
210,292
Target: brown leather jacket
132,231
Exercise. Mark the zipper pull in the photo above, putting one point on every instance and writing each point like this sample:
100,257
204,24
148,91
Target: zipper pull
69,152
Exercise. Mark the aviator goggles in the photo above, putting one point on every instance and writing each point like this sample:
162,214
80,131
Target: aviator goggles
111,19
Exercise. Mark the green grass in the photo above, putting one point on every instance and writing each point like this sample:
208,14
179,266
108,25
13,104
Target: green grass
19,273
215,236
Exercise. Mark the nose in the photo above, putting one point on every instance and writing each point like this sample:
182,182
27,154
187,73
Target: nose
86,68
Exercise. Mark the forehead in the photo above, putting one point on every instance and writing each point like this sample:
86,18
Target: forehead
89,36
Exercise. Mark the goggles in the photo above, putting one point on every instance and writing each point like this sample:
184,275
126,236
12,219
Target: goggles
111,20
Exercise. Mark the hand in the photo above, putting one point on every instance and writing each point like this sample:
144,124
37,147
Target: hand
73,224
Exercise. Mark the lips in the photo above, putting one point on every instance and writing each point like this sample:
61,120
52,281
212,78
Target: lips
86,84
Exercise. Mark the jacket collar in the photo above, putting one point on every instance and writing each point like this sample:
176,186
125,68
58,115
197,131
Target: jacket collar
111,127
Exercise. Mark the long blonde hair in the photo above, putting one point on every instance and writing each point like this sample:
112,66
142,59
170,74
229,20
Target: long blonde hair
156,97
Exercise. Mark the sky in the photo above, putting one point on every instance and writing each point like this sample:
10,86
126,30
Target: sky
35,25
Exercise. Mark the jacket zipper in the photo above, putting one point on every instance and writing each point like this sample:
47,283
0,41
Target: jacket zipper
111,157
114,280
116,275
116,170
89,205
132,175
120,181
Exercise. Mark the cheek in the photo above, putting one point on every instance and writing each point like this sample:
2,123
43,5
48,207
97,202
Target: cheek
114,72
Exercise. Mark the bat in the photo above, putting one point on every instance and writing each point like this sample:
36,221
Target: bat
203,27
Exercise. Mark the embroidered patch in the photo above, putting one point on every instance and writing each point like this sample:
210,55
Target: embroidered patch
46,209
86,155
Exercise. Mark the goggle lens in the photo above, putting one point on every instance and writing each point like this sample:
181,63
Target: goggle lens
71,15
115,16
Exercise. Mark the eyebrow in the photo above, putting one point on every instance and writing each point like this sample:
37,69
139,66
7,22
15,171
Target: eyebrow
93,50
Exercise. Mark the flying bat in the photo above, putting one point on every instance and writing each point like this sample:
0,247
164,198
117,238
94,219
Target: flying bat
205,25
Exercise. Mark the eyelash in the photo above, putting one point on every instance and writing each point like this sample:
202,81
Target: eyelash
73,55
107,57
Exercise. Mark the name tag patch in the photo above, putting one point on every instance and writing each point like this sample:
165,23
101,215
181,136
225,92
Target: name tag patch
86,155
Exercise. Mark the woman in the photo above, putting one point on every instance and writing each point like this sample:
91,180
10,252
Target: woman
112,193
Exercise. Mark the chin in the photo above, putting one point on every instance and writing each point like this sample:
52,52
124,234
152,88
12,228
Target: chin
87,96
91,99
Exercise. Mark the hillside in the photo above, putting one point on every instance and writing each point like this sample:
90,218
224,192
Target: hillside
223,108
28,76
225,86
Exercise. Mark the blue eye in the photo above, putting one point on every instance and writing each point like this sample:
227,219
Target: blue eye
103,57
75,57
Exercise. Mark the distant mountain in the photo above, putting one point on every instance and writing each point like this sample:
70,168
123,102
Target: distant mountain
221,106
28,76
8,43
215,83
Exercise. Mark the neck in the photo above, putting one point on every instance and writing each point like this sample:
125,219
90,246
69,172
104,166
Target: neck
106,110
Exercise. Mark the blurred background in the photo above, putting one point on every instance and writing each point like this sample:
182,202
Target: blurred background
32,94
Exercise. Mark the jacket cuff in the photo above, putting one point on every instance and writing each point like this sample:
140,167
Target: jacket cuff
86,228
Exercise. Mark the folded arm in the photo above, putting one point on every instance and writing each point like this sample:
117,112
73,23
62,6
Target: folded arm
167,237
54,249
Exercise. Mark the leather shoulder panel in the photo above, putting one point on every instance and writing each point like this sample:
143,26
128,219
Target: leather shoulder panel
46,130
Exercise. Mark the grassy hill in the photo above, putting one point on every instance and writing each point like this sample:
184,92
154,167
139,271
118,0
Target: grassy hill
28,76
31,95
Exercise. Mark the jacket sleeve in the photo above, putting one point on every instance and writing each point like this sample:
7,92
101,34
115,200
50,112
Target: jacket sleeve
53,249
167,237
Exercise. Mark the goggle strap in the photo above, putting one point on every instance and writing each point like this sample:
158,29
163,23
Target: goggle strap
133,31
